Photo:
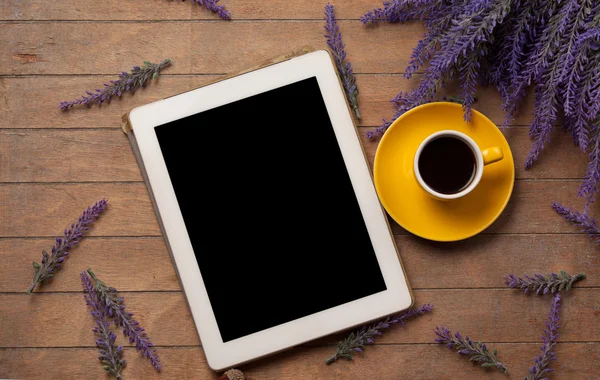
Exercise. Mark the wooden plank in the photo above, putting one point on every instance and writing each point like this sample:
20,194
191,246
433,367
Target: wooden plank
174,10
457,265
25,98
105,155
127,264
376,91
45,209
503,315
574,360
482,261
48,320
221,47
35,155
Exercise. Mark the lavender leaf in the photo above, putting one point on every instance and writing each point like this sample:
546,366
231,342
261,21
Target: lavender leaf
478,352
121,317
357,340
212,6
336,46
587,223
51,263
138,77
540,284
110,355
550,337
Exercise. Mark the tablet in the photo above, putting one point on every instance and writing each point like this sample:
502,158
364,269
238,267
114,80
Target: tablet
268,208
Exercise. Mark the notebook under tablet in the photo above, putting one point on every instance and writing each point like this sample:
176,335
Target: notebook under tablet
269,210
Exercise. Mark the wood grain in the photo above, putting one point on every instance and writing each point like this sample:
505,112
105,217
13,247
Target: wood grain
176,10
480,262
25,98
45,209
125,263
203,47
503,315
574,361
53,164
35,155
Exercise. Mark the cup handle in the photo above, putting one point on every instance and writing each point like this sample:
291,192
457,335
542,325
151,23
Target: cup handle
491,155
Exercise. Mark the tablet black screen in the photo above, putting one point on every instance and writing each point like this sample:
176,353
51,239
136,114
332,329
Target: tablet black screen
269,208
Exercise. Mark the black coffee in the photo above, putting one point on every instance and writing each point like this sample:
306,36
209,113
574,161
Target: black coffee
447,165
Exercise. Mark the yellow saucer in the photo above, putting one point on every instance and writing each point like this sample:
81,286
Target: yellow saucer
417,211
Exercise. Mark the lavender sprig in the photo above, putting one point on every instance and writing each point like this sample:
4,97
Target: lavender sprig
336,46
550,336
356,341
122,318
212,6
399,11
552,282
589,225
477,351
52,263
138,77
110,356
589,186
390,12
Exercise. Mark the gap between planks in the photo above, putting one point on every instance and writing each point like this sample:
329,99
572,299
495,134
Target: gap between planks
481,288
489,234
171,21
133,181
308,344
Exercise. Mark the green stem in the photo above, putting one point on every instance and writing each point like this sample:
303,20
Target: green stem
36,280
332,359
30,290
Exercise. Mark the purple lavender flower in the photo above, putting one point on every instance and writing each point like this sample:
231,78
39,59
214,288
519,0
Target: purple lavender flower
356,341
110,356
60,251
540,284
379,131
441,15
336,46
550,336
122,318
509,55
548,65
589,186
212,6
580,85
392,11
138,77
589,225
399,11
477,351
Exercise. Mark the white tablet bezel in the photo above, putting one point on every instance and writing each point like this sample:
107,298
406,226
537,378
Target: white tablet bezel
222,355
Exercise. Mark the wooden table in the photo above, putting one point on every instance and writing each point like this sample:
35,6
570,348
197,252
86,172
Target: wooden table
53,164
